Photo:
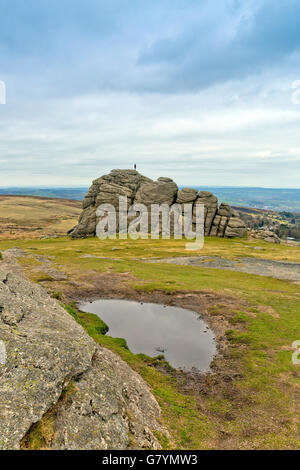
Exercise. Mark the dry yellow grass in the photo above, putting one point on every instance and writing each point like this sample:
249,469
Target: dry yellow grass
32,217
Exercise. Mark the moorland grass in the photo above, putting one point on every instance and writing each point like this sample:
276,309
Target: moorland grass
259,408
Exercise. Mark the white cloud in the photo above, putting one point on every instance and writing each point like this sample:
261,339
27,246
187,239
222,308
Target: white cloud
195,93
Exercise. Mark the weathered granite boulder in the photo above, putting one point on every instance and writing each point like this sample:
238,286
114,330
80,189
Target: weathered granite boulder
129,179
162,191
236,228
186,196
132,179
219,221
210,203
87,224
106,190
225,210
266,235
109,193
56,374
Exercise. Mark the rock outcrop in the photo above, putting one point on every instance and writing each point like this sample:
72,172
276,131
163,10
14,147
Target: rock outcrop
235,226
266,235
53,368
220,220
107,189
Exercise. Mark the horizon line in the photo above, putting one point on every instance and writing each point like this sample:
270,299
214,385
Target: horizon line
180,186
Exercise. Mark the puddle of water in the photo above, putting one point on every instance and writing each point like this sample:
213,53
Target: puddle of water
180,335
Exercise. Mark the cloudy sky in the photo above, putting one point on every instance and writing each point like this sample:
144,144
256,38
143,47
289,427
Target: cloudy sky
198,90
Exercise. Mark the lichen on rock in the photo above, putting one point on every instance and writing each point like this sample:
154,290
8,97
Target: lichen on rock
110,406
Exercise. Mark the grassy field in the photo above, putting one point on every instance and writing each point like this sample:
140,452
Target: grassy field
251,400
25,216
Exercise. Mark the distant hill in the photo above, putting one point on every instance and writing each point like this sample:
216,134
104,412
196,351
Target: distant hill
62,193
261,198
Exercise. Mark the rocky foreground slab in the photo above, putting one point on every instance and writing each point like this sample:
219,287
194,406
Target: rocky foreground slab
53,368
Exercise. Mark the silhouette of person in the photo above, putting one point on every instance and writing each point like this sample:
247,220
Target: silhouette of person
135,166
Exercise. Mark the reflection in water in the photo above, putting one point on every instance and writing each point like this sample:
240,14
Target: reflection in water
185,340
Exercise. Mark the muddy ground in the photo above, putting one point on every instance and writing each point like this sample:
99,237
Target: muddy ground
215,309
95,285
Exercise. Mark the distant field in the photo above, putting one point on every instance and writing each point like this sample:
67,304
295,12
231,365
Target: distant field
261,198
32,217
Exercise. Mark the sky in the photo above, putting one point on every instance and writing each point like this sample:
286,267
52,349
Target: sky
206,92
